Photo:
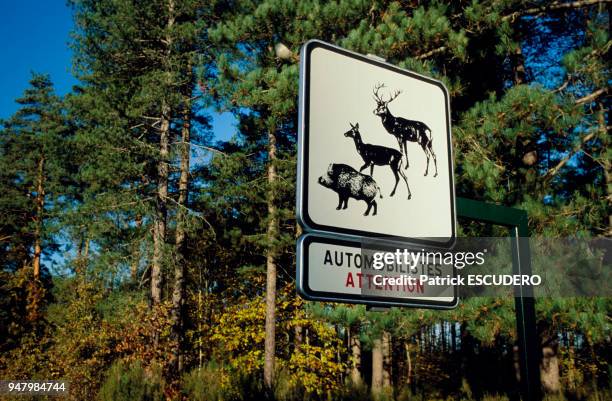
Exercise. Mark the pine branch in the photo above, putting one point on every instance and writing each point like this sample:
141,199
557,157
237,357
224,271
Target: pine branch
194,213
205,148
144,277
556,6
116,206
137,126
551,172
563,86
595,160
430,53
592,96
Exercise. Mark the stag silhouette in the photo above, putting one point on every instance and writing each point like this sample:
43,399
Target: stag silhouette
375,155
404,130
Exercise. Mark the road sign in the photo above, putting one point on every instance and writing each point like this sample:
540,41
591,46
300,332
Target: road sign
374,149
342,270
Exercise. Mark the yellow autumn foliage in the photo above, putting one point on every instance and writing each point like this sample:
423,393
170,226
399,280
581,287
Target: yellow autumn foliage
313,363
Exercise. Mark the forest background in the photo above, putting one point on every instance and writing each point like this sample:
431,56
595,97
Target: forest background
145,255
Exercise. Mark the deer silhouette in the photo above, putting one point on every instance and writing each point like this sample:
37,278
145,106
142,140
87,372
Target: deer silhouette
404,130
375,155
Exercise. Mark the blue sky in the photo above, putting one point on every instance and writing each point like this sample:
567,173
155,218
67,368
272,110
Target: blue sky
35,36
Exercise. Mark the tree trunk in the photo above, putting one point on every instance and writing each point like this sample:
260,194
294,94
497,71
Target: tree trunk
40,206
35,289
572,374
161,207
519,67
517,59
443,336
549,369
516,362
387,359
607,165
135,254
453,337
82,256
409,363
161,211
271,266
377,367
299,335
179,267
355,344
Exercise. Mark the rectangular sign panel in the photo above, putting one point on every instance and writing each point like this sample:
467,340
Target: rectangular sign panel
374,149
340,270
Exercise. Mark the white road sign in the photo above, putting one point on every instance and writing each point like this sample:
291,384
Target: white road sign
340,270
374,149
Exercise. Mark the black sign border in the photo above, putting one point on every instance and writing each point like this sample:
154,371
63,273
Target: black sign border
303,144
307,293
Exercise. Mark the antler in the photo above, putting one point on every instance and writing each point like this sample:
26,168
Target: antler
378,87
396,94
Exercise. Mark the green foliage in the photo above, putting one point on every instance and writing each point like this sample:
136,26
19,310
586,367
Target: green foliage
35,154
354,392
132,382
210,382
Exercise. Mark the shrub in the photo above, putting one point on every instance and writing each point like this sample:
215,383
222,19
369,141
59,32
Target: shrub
206,384
132,382
215,382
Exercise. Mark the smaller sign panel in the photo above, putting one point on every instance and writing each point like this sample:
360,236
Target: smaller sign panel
341,270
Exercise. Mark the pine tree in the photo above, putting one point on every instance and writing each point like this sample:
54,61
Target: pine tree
117,133
35,166
138,98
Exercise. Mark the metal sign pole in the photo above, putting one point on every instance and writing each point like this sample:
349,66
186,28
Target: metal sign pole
529,350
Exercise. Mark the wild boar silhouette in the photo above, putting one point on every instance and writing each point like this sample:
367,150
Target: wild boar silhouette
349,183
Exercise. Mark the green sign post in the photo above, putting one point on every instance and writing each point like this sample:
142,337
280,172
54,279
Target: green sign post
516,221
